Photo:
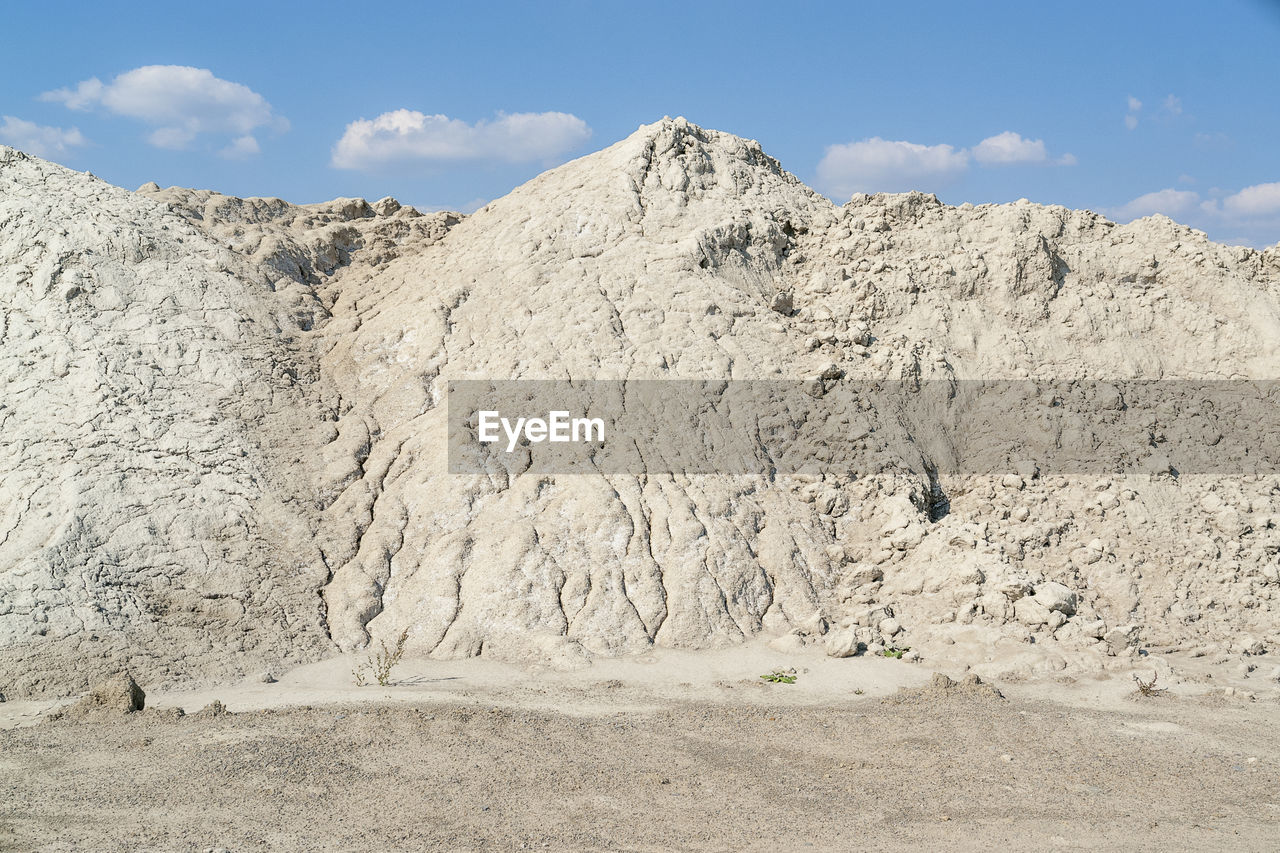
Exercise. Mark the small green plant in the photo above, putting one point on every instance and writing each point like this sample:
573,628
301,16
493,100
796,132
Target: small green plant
1148,688
895,653
858,691
379,666
781,676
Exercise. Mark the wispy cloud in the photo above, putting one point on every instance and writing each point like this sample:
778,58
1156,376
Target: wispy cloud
38,139
1170,108
1215,141
1131,117
180,102
405,136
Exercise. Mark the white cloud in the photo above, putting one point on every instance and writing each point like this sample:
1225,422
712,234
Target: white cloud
408,135
240,147
1250,216
1172,203
39,139
1257,200
181,102
882,165
1010,147
1131,118
1173,105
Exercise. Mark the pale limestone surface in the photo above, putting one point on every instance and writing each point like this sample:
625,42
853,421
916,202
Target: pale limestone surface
152,394
261,476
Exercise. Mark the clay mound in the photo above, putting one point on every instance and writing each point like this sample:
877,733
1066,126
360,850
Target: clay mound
154,402
229,423
943,688
685,253
656,257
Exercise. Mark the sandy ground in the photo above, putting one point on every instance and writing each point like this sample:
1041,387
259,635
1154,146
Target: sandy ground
672,751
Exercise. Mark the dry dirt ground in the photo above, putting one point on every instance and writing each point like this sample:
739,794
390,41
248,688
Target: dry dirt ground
460,757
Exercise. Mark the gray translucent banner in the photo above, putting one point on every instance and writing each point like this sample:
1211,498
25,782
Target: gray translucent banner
774,427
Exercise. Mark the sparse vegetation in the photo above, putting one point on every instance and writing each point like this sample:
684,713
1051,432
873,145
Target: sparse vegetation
896,653
379,666
781,676
1148,688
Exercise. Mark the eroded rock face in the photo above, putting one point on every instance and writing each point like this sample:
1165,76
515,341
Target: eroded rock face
654,258
225,430
153,403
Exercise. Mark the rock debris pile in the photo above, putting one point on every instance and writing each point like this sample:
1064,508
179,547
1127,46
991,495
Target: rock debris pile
224,424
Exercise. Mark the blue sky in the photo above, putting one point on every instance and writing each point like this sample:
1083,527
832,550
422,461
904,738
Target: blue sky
1123,107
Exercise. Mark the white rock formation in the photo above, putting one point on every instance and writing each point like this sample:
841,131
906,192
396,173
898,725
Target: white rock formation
153,407
225,427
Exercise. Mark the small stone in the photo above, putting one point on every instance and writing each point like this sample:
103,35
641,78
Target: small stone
1014,589
120,693
1030,611
385,206
888,627
1119,639
266,678
842,644
1012,481
1097,629
1085,557
862,574
1056,596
